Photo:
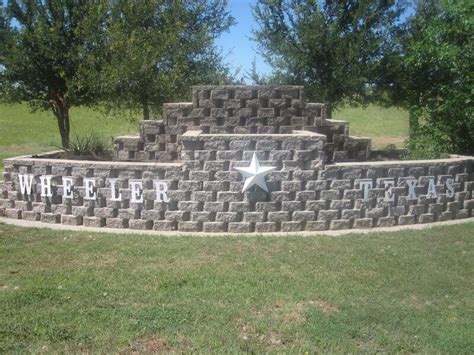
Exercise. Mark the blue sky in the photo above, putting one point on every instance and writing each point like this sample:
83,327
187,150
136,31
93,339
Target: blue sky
236,44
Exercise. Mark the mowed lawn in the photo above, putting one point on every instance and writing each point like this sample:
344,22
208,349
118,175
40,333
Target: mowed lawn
381,292
23,132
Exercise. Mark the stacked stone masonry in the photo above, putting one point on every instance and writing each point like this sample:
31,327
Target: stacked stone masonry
240,110
194,150
206,193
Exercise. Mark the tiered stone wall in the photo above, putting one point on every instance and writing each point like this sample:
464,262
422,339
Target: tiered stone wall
205,193
240,110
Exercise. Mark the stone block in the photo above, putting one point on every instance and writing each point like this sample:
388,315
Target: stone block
340,204
363,223
327,215
278,216
350,214
214,206
254,217
89,221
105,212
266,206
164,226
293,226
445,216
386,222
292,185
426,218
461,214
177,216
407,219
303,216
202,216
376,212
337,224
266,227
71,220
291,205
240,227
317,225
239,207
31,215
116,223
330,194
189,226
416,210
50,218
13,213
189,206
214,227
225,196
227,217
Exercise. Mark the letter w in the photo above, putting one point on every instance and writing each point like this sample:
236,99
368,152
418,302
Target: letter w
26,183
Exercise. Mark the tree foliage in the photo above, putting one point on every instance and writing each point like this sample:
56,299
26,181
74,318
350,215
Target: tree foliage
331,47
64,53
160,47
48,50
432,75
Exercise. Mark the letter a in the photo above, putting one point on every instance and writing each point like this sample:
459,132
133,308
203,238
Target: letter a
431,189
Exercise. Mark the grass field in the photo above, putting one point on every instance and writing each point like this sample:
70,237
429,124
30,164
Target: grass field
23,132
392,292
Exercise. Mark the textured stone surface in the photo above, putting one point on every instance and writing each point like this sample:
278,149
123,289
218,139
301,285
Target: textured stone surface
306,191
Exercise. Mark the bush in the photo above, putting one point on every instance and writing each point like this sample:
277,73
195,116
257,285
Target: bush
90,146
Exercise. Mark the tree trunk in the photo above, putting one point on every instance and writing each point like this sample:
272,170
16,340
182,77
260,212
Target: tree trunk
61,112
146,109
412,124
328,110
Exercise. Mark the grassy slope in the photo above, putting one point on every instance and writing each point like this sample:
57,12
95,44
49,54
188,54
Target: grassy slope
23,132
393,292
384,125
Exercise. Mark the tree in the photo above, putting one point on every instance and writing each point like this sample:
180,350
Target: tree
49,51
158,48
432,76
330,47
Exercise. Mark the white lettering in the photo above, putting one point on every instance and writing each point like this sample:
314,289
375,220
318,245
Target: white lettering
389,194
136,192
114,192
26,184
431,189
161,191
67,187
411,183
89,193
449,187
46,186
366,185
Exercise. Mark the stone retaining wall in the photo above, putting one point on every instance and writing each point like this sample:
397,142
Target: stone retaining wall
205,193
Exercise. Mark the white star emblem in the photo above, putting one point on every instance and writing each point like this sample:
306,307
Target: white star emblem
255,174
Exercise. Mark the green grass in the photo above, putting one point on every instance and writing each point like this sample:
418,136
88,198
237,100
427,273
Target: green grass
23,132
384,125
407,291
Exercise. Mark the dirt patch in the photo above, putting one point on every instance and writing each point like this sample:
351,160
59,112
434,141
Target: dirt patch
324,306
149,345
247,333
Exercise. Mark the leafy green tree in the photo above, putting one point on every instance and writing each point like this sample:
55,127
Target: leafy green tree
432,75
158,48
331,47
48,53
